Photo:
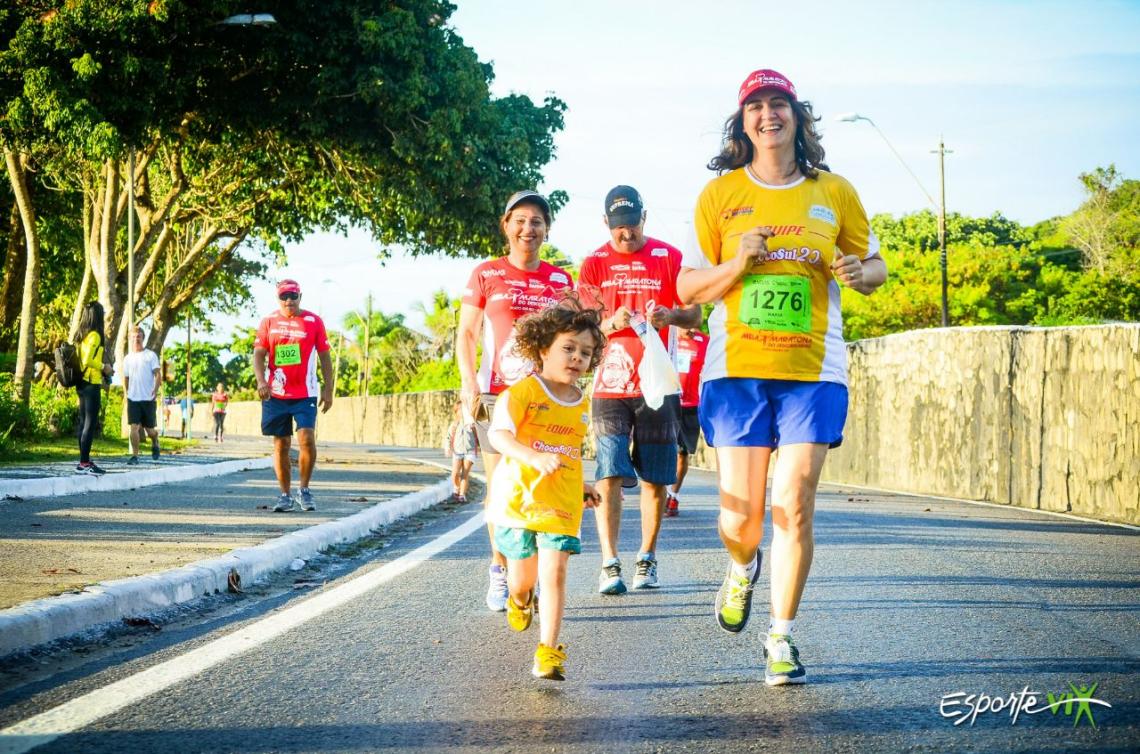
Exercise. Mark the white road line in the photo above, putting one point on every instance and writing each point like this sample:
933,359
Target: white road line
86,709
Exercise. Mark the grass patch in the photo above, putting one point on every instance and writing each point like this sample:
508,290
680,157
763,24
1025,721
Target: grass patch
51,450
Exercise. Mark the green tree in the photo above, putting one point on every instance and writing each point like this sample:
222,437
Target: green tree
255,135
548,252
206,367
442,321
919,231
1106,227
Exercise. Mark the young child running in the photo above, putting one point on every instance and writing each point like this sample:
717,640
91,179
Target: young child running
538,492
462,446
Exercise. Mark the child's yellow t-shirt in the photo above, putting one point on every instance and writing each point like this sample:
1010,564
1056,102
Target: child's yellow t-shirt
520,497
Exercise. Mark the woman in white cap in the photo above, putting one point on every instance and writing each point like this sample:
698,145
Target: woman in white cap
775,236
498,293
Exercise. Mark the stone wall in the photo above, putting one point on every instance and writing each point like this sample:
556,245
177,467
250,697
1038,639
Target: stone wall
1045,418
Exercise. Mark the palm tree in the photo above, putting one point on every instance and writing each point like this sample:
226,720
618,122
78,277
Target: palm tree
442,321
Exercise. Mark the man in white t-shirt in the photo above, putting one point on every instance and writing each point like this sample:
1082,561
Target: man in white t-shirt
140,378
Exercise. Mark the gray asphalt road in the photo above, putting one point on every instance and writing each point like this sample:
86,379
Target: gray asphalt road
910,600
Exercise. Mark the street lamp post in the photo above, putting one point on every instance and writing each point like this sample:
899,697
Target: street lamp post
365,371
940,207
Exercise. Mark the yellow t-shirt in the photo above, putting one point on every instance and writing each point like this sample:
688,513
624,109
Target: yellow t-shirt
782,320
520,497
91,358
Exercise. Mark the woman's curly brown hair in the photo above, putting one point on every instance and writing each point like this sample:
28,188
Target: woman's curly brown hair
535,332
736,148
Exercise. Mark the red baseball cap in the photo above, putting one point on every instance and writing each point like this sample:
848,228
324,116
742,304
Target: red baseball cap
765,78
288,286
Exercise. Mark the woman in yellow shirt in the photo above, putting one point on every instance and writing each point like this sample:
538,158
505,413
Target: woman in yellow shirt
92,370
774,238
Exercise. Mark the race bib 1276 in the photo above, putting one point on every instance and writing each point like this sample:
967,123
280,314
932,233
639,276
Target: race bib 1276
776,302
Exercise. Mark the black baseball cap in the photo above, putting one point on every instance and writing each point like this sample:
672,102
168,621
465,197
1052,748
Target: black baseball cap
623,206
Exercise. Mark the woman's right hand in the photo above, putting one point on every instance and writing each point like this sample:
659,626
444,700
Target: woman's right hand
753,247
470,396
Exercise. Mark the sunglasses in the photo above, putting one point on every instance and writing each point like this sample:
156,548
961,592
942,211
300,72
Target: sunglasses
289,296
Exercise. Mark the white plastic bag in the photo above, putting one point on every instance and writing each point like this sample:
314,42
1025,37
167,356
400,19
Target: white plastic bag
656,372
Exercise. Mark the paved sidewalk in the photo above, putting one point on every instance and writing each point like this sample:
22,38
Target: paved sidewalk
54,479
73,544
207,451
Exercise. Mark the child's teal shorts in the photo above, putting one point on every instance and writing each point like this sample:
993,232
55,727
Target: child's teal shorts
520,544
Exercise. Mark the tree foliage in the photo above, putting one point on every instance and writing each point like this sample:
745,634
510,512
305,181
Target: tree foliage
1029,280
1106,227
345,112
919,231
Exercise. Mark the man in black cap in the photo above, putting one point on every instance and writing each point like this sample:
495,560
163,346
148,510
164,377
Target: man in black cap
632,276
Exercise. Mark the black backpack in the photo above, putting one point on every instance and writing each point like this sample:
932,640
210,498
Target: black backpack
67,368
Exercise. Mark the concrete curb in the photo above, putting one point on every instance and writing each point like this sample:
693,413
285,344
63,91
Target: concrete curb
75,484
45,620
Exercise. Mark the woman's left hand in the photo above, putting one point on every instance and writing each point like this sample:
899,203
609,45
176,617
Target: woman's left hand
848,270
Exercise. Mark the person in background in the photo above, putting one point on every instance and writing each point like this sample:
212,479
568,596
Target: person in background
93,371
498,292
632,274
462,446
140,380
220,399
288,346
774,238
187,406
689,357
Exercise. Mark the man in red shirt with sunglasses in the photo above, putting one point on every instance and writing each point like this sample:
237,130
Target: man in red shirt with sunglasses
288,346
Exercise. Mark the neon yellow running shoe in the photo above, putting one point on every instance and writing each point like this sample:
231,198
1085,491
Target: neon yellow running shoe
782,662
734,600
519,617
549,662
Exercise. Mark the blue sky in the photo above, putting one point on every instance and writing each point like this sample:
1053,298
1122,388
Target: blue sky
1026,94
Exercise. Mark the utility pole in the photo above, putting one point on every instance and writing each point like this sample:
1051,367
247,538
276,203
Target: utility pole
367,343
942,151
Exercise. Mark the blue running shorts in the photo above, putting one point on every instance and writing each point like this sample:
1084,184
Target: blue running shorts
653,456
744,412
278,415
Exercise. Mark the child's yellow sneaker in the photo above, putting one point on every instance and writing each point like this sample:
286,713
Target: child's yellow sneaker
519,618
548,662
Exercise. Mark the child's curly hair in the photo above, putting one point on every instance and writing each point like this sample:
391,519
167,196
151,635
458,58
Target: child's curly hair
535,332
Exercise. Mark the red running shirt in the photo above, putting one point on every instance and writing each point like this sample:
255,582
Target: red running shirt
689,359
641,281
292,344
505,293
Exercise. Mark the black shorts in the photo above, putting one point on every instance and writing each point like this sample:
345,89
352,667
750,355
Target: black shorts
141,412
690,431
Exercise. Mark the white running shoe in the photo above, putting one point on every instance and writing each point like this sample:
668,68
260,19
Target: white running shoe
497,594
610,580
